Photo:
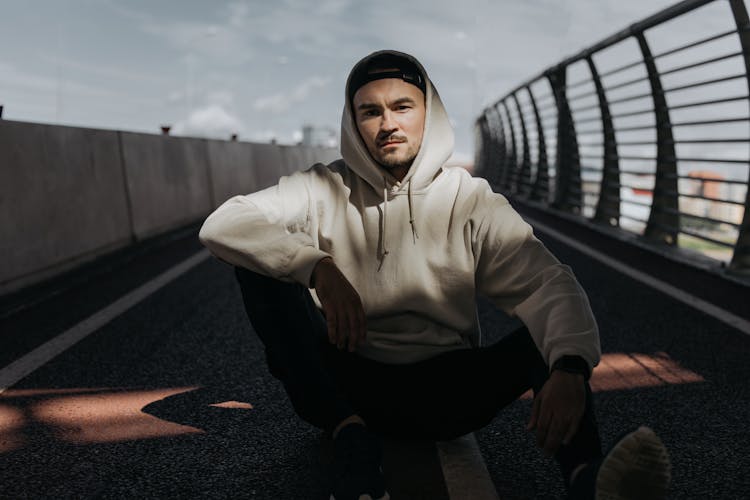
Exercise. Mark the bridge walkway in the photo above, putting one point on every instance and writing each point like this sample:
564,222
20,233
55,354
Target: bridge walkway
167,395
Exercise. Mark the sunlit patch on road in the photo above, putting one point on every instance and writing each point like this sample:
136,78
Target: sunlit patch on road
86,415
620,371
234,405
11,422
633,370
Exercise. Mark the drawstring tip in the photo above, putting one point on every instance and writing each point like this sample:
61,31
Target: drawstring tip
382,259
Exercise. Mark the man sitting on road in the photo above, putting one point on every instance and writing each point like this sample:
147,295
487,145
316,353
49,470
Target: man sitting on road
360,277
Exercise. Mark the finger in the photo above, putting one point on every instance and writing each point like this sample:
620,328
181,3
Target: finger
354,329
345,331
554,436
362,326
331,322
572,430
534,414
543,426
340,331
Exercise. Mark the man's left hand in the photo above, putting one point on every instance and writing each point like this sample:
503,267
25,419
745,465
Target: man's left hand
557,410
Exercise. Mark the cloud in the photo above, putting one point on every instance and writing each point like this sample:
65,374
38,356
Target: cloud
176,96
282,101
220,97
238,13
249,56
128,13
212,121
12,76
112,72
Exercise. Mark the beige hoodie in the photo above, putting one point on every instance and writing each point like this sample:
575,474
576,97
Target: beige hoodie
417,251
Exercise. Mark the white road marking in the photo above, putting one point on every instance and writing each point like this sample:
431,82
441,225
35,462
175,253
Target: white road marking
722,315
23,366
465,473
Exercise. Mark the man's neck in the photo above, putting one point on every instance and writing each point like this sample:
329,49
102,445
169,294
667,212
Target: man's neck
399,172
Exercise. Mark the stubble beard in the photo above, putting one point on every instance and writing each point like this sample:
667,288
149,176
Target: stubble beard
392,162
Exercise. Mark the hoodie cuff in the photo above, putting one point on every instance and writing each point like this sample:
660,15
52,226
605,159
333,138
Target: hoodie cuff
572,364
304,262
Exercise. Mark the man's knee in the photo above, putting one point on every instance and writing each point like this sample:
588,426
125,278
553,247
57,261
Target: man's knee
250,279
259,288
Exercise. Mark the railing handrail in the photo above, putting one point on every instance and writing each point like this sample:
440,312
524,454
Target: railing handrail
651,21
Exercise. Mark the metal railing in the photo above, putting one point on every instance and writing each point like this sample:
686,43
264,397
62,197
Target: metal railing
657,145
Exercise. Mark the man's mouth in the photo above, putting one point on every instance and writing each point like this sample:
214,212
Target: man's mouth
389,143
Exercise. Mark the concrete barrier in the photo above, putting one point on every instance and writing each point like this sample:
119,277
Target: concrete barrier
241,168
168,181
68,194
62,199
324,155
267,164
294,158
232,169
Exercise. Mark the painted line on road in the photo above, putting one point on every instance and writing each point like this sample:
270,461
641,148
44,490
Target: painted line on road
465,473
23,366
722,315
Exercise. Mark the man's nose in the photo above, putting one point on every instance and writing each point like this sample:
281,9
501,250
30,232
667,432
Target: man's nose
388,123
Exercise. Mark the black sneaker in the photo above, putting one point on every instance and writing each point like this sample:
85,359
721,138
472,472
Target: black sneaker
357,471
636,468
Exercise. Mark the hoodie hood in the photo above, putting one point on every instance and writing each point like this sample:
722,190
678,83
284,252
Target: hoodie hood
436,147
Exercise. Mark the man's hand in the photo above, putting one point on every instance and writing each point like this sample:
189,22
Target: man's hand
342,306
557,410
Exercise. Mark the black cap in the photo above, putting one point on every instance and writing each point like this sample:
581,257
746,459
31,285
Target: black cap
367,71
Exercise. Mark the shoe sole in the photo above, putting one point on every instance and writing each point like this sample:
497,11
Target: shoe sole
636,468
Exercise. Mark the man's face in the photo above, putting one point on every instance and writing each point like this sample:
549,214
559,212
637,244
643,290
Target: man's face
390,116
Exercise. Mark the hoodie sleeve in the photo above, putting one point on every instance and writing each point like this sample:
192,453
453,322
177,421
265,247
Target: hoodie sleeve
517,272
268,232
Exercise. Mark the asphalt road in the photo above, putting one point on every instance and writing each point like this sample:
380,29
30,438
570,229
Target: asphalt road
172,398
696,397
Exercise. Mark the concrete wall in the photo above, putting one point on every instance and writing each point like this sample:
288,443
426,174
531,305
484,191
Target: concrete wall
68,195
168,181
232,169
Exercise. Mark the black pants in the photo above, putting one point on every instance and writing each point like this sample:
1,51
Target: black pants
440,398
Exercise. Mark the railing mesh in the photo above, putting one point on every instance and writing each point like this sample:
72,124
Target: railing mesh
646,132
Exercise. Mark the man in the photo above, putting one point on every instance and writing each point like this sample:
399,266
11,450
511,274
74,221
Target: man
394,247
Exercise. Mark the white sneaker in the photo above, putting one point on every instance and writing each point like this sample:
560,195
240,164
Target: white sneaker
636,467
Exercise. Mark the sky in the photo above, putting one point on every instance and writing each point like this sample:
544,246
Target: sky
263,69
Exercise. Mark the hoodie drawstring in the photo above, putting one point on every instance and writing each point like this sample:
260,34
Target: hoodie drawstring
385,217
411,216
383,227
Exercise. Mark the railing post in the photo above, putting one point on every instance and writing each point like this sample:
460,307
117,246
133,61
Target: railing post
608,205
567,195
510,171
523,182
540,190
497,154
481,163
741,257
496,128
664,220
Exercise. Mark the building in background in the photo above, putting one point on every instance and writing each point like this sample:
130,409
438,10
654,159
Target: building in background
313,135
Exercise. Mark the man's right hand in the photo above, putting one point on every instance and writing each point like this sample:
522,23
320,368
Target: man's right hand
347,326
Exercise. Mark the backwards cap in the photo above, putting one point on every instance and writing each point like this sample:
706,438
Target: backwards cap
367,71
